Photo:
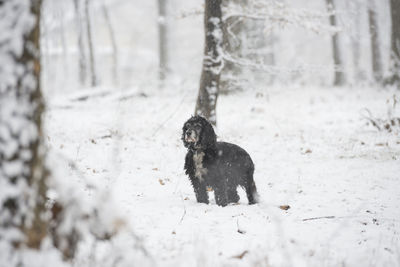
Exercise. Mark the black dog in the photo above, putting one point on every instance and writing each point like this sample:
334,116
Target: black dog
222,166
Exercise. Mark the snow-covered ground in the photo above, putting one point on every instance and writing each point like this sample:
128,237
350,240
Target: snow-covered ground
312,151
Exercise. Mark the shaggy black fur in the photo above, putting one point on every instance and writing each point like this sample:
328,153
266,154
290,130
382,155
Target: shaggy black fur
222,166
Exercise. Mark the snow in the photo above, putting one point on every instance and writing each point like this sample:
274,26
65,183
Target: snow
312,151
328,182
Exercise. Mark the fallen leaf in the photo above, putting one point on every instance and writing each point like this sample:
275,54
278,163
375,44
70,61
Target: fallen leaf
161,182
284,207
155,169
381,144
241,255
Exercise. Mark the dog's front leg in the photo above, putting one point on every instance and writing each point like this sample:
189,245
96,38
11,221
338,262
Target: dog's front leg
200,189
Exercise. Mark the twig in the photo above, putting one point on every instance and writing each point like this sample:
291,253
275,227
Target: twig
241,255
184,210
170,116
317,218
240,231
371,119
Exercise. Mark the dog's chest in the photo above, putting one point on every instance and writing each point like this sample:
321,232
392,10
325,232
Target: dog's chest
200,170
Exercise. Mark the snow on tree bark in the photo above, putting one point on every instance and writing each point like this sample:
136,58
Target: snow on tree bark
22,172
212,61
337,57
395,43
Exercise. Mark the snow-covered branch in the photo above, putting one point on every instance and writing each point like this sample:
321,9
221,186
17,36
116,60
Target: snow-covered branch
279,14
301,68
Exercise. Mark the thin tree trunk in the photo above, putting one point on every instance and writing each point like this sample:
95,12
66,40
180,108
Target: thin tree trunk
162,40
337,57
212,61
81,45
113,44
355,41
270,56
395,43
93,77
22,172
375,48
63,41
233,31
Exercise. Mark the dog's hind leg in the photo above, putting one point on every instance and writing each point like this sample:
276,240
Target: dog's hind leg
221,197
221,193
233,196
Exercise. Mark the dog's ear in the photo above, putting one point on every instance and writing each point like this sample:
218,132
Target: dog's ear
208,138
183,135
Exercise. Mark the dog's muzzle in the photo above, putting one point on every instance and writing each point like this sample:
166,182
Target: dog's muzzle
190,136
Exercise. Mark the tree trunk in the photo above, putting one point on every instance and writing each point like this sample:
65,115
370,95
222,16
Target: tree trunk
234,33
270,54
375,48
92,64
22,171
162,40
81,45
212,62
113,44
337,57
355,40
395,44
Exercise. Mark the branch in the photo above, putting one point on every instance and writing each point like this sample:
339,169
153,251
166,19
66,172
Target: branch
279,69
278,13
318,218
184,210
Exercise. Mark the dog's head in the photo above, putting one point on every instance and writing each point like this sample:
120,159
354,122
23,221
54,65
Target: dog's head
198,134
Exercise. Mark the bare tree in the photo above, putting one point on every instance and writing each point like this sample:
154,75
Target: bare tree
162,40
212,61
81,44
113,44
355,38
375,48
92,63
22,171
395,43
233,32
337,57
